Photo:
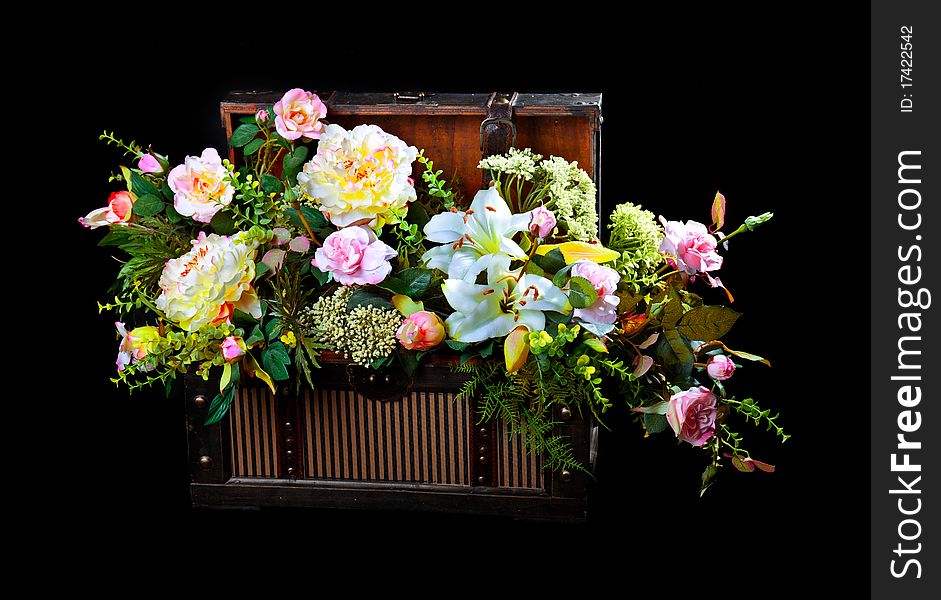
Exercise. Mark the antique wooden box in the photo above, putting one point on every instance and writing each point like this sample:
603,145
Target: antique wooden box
371,440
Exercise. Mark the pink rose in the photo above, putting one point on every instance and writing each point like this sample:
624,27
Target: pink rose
299,114
690,247
354,255
117,212
232,348
692,415
199,185
149,164
720,367
605,281
422,330
542,222
261,116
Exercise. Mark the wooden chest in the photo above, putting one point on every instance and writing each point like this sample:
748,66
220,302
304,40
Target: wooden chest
368,439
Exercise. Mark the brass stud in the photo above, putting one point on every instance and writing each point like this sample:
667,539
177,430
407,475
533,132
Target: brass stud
205,462
284,391
289,441
565,475
289,453
566,413
481,479
483,449
200,401
372,378
288,425
484,432
502,100
483,460
388,379
291,471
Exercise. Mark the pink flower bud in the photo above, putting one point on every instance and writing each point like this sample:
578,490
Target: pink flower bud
421,331
542,222
149,164
232,348
720,367
261,116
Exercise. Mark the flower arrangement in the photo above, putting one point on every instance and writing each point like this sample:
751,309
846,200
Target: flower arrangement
327,240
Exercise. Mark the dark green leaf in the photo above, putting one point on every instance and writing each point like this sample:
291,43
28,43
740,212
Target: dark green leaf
255,336
243,134
707,475
253,146
142,187
410,282
318,223
117,237
486,350
557,317
674,354
582,293
223,223
559,279
363,297
273,328
321,276
295,160
167,192
409,360
274,360
220,406
417,215
655,423
707,322
270,183
672,311
243,319
172,215
260,270
456,345
148,205
551,262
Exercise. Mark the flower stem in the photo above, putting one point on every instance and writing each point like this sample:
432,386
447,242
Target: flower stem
313,238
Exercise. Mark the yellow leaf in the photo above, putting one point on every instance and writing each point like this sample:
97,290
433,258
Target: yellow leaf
406,305
573,251
252,366
226,377
516,349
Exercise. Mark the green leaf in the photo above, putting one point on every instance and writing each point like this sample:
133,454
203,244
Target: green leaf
226,376
142,187
257,335
596,345
220,406
456,345
148,205
275,359
487,350
314,217
295,160
167,193
551,262
243,319
117,237
243,134
363,297
559,279
417,215
655,423
742,464
582,293
707,322
409,282
321,276
253,146
674,354
409,361
273,328
707,475
270,183
672,311
223,223
172,215
260,270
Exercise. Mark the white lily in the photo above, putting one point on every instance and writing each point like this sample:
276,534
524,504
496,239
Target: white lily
494,310
474,238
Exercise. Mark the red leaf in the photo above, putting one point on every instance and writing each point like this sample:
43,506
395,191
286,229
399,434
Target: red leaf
763,466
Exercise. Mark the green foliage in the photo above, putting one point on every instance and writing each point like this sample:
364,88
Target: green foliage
131,148
275,360
437,189
220,405
413,283
754,414
253,204
707,322
148,205
243,134
150,245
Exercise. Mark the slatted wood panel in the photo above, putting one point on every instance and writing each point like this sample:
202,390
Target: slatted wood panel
254,449
516,467
424,437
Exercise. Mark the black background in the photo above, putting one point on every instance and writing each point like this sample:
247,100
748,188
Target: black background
689,109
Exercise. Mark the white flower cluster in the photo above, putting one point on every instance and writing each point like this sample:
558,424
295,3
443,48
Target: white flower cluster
521,163
636,234
364,334
572,196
